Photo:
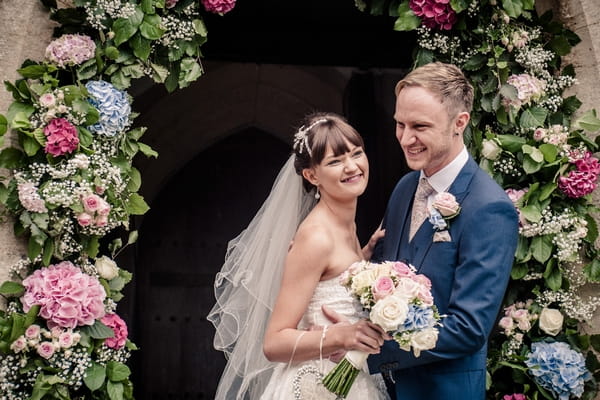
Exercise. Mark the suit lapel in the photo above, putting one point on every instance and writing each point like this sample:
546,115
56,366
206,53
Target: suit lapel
424,237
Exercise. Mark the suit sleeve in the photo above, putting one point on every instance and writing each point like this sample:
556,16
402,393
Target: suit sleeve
485,254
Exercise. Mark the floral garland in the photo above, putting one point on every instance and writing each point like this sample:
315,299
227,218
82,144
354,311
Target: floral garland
72,182
523,132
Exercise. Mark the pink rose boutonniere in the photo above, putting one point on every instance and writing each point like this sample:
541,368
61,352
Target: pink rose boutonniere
443,209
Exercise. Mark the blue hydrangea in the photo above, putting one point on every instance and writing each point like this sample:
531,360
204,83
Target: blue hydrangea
113,106
418,318
436,219
557,367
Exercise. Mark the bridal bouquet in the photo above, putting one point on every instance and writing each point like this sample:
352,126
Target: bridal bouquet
397,299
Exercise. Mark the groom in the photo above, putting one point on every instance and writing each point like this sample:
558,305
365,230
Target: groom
469,262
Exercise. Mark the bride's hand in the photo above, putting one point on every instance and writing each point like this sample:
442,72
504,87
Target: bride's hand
362,335
367,250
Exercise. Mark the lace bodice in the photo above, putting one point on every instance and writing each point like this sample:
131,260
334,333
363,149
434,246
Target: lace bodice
331,293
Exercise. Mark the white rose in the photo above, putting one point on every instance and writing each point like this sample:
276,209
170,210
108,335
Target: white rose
389,312
107,268
490,149
363,279
407,289
423,340
551,321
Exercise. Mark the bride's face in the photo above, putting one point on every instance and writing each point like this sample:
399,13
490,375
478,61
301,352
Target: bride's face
345,175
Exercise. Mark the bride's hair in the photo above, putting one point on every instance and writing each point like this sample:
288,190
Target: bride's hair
318,131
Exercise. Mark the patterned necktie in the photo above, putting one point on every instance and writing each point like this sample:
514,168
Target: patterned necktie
419,208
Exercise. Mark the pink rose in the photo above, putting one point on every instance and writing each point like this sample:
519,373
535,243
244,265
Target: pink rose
47,100
91,203
61,137
382,287
506,323
539,134
515,194
423,280
101,220
32,332
446,204
119,328
19,344
45,349
66,339
84,219
424,294
401,269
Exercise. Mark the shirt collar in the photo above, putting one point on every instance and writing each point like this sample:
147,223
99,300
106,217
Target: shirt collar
442,179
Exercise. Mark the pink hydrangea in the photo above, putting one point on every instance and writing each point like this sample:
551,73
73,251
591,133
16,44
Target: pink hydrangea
61,137
70,50
218,6
67,296
577,183
514,396
119,327
529,89
588,163
30,199
434,13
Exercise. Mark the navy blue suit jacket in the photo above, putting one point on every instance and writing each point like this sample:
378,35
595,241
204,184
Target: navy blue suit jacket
469,275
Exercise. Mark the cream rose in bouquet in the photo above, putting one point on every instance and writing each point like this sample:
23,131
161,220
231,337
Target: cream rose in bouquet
395,298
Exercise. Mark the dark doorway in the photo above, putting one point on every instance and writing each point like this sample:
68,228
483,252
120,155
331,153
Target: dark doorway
184,238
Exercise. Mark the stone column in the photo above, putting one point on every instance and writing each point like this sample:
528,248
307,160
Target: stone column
25,31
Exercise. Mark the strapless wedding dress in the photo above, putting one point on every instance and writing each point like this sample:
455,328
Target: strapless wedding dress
301,381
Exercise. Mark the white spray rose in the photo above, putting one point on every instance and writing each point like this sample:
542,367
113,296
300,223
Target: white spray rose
389,312
107,268
490,149
551,321
424,340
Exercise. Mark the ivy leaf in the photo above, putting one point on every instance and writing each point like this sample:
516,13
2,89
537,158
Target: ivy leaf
512,143
159,73
549,151
11,289
588,122
592,227
560,45
125,28
541,247
570,105
547,190
554,279
199,27
135,180
117,371
476,62
141,46
94,376
459,5
407,20
147,150
115,390
533,117
532,212
513,8
150,27
98,330
531,166
592,271
136,205
518,271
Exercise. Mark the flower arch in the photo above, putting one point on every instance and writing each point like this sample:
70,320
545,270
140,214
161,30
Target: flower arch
73,182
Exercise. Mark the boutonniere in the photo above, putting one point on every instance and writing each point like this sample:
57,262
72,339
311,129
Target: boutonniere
443,209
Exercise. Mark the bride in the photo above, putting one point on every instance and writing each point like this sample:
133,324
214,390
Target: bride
284,267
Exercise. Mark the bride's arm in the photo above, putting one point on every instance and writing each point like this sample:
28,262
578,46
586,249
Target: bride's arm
306,262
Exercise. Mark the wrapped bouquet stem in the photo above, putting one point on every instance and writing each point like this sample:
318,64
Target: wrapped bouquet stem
399,301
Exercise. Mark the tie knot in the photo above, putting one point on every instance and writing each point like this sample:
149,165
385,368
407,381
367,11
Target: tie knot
424,190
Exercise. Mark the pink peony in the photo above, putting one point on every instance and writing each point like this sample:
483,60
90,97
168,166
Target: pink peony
383,287
577,183
434,13
119,327
61,137
67,296
218,6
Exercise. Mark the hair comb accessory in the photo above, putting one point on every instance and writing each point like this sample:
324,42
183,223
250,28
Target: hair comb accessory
301,137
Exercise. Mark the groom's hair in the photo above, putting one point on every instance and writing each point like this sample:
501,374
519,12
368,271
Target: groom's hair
446,81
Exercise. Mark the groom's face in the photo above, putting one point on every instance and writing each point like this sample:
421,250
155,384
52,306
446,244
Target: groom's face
425,131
